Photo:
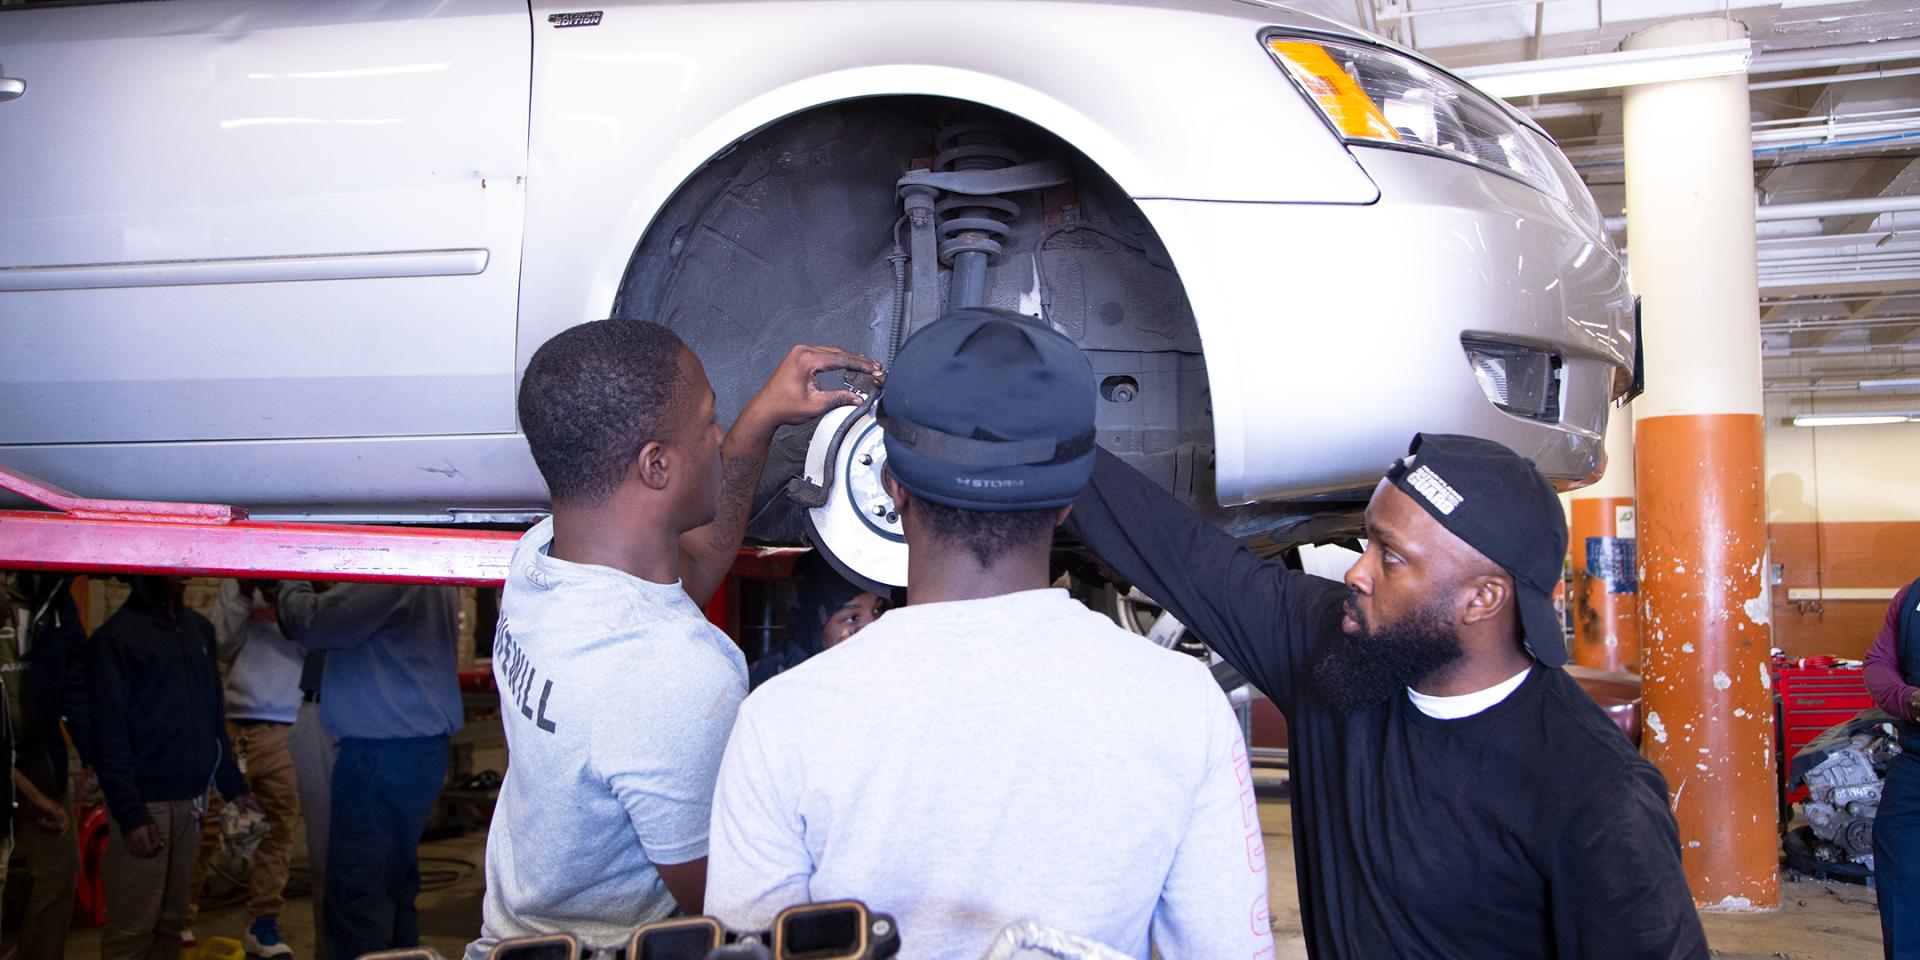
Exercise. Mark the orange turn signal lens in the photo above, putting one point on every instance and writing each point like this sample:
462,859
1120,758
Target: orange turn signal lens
1353,113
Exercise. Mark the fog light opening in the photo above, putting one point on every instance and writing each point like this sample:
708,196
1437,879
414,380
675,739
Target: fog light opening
1520,380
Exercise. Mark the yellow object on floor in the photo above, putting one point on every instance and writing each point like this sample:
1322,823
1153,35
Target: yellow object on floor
216,948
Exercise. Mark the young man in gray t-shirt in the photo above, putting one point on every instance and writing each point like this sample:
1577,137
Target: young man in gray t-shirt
616,693
994,751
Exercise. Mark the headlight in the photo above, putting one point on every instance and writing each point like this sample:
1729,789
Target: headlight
1374,96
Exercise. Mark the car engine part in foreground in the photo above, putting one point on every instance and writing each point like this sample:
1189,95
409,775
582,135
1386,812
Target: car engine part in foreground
1844,771
836,930
1843,796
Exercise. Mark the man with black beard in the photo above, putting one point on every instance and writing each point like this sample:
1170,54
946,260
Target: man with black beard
1454,793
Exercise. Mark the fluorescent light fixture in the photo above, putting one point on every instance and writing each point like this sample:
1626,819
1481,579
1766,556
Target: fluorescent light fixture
1890,385
1601,71
1851,419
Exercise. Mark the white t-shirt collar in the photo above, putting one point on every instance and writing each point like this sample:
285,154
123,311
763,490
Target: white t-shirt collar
1467,704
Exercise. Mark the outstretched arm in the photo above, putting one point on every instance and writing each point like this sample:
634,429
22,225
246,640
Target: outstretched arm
1258,614
790,396
345,616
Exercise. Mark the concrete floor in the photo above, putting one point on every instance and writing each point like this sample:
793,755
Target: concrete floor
1817,921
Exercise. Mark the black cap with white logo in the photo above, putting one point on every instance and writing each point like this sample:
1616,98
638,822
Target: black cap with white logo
1498,503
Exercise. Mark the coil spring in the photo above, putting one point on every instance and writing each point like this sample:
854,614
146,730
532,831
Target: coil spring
973,223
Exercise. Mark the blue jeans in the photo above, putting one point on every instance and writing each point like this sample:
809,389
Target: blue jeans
1896,858
383,791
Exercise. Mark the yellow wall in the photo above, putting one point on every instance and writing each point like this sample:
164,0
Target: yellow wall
1843,512
1842,474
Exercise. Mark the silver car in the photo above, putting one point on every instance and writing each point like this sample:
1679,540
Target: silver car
294,256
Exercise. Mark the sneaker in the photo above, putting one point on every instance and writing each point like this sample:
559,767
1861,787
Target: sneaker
263,939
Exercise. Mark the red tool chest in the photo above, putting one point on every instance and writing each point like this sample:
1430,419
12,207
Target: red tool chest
1814,698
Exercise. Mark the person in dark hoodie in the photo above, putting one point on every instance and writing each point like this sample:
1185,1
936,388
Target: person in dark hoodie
159,739
46,687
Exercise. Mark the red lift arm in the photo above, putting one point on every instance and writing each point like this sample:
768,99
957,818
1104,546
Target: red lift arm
80,535
204,539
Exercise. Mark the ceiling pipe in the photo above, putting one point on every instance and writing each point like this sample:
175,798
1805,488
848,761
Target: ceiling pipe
1826,386
1836,323
1807,135
1600,100
1803,353
1826,78
1828,130
1858,207
1857,298
1890,384
1604,71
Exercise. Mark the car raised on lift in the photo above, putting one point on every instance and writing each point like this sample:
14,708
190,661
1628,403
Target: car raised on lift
294,256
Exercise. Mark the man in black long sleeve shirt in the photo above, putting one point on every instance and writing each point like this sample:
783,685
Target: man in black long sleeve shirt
1454,793
159,738
46,688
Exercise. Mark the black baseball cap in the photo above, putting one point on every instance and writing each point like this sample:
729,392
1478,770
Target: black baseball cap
1499,504
988,409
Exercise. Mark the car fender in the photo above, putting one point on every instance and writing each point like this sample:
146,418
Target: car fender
1171,99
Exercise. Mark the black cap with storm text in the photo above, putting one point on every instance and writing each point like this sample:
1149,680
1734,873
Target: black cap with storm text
1499,504
990,410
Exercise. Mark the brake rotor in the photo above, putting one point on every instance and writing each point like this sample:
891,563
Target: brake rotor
858,530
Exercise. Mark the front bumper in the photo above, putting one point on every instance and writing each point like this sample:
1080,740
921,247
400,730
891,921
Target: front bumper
1333,332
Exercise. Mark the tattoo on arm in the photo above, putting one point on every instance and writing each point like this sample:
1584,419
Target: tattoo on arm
739,480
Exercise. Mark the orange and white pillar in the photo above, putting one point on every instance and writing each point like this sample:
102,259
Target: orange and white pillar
1606,592
1699,471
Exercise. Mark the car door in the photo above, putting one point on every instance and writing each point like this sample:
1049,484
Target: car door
229,220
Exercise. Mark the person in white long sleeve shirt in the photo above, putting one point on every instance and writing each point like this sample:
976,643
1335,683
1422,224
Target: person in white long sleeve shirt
263,699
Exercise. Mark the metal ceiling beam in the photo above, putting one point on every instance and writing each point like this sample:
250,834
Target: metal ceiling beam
1600,71
1890,177
1602,100
1818,58
1605,71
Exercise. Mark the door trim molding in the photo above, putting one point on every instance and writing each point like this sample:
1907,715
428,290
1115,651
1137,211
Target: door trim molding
301,267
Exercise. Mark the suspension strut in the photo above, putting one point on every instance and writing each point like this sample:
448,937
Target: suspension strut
959,215
972,227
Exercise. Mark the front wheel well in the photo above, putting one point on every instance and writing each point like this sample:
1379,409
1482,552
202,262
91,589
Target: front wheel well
788,235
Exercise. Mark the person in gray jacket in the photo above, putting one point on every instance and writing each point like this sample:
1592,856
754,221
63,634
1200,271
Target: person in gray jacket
392,699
